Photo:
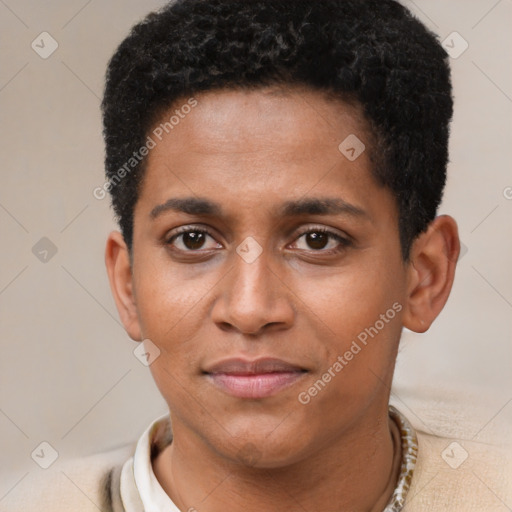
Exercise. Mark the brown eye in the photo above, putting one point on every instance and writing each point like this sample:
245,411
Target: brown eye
323,241
191,240
317,240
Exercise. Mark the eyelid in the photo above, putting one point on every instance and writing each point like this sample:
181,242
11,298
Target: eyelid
324,229
186,228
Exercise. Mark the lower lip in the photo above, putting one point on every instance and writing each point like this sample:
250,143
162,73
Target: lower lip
255,386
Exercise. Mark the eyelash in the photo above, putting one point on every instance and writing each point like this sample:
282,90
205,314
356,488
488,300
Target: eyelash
343,242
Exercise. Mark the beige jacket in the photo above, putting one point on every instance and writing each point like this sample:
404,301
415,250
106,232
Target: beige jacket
482,482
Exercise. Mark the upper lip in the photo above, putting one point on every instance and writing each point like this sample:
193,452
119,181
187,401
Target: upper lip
240,366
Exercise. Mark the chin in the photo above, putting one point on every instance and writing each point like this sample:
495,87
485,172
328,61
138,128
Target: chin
260,445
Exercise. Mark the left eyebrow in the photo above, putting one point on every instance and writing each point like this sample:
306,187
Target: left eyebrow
321,206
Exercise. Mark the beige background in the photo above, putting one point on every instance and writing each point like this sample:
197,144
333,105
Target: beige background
67,372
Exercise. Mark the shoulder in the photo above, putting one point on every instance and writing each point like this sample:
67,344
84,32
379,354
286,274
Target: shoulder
464,459
459,475
75,484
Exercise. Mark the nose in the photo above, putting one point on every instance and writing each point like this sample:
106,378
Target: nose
253,298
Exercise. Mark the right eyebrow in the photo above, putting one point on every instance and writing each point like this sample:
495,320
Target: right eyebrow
190,205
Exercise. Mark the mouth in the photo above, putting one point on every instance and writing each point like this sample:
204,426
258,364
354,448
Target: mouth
254,379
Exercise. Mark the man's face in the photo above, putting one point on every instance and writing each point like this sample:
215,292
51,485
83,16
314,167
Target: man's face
269,277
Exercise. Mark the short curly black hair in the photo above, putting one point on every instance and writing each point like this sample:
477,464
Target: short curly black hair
374,51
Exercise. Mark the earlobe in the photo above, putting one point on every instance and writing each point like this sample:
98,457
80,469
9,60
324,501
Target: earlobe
117,261
431,273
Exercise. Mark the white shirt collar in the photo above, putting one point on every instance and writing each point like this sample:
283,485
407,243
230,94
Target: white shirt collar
137,473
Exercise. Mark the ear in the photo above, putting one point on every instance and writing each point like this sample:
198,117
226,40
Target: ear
431,271
117,261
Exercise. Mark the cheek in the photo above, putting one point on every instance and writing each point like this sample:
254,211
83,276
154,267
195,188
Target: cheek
347,302
169,300
357,316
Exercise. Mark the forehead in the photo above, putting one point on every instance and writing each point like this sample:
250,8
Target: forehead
259,145
271,118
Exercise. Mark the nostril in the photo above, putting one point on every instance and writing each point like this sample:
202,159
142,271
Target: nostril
225,326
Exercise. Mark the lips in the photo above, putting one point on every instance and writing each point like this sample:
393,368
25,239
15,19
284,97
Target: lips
260,378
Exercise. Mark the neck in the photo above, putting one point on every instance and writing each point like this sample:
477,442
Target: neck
355,472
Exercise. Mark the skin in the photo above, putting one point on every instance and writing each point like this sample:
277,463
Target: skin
299,300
